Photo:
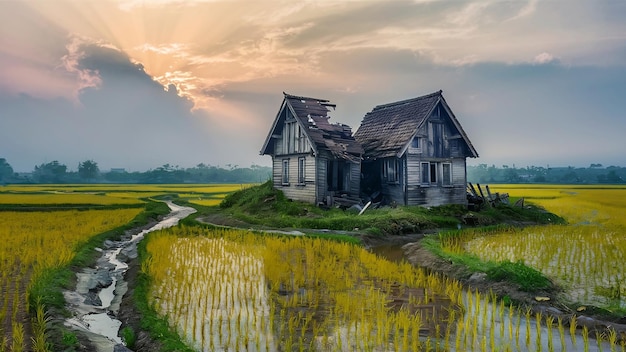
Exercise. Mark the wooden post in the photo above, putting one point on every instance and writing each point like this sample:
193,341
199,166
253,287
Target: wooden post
481,194
473,190
491,199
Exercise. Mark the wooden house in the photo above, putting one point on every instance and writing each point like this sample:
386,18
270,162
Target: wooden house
313,160
415,152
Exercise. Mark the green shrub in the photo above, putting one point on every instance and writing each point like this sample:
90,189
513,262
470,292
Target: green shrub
526,277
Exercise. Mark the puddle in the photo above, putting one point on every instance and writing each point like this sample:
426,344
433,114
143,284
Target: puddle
96,300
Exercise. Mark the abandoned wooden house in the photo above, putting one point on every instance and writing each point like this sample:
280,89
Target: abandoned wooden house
313,160
415,152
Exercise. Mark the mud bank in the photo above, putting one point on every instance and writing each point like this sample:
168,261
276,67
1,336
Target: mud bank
95,302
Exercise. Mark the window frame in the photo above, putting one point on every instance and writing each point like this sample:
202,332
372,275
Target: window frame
391,170
415,142
425,173
434,173
285,172
446,181
302,171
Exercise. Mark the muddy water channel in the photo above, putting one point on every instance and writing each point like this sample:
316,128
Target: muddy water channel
99,290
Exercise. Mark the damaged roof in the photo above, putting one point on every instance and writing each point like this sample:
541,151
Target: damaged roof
386,130
312,114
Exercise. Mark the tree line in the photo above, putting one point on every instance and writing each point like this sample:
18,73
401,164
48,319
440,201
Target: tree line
594,174
89,172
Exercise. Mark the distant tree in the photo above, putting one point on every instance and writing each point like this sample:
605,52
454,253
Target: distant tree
52,172
570,177
613,177
6,171
511,176
88,170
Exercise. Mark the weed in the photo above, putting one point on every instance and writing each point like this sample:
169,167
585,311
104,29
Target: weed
128,336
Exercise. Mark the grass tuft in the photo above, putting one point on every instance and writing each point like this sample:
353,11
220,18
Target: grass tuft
528,279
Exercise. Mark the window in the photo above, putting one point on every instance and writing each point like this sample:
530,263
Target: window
425,173
446,171
415,143
433,172
391,170
301,166
429,172
285,172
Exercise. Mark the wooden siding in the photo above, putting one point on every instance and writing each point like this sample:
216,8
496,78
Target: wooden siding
449,149
394,192
439,138
355,179
435,193
320,169
293,190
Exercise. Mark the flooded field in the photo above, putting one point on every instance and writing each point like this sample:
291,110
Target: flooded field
234,290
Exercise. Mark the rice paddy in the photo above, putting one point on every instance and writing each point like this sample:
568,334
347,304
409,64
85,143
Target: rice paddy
586,256
33,242
234,290
42,226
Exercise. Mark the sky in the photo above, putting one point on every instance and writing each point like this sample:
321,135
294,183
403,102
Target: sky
140,84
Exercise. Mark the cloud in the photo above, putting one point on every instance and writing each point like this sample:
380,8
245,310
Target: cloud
544,58
71,62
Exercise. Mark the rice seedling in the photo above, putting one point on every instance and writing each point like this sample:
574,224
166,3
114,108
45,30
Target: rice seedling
310,292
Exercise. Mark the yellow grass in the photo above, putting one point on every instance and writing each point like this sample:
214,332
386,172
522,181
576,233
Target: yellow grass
63,198
34,241
206,202
160,188
586,256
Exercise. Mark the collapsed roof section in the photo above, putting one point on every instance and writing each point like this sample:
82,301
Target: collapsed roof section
312,115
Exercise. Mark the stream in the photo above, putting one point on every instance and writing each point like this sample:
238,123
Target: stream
96,300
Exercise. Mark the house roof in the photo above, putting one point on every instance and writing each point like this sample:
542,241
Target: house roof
387,129
312,114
